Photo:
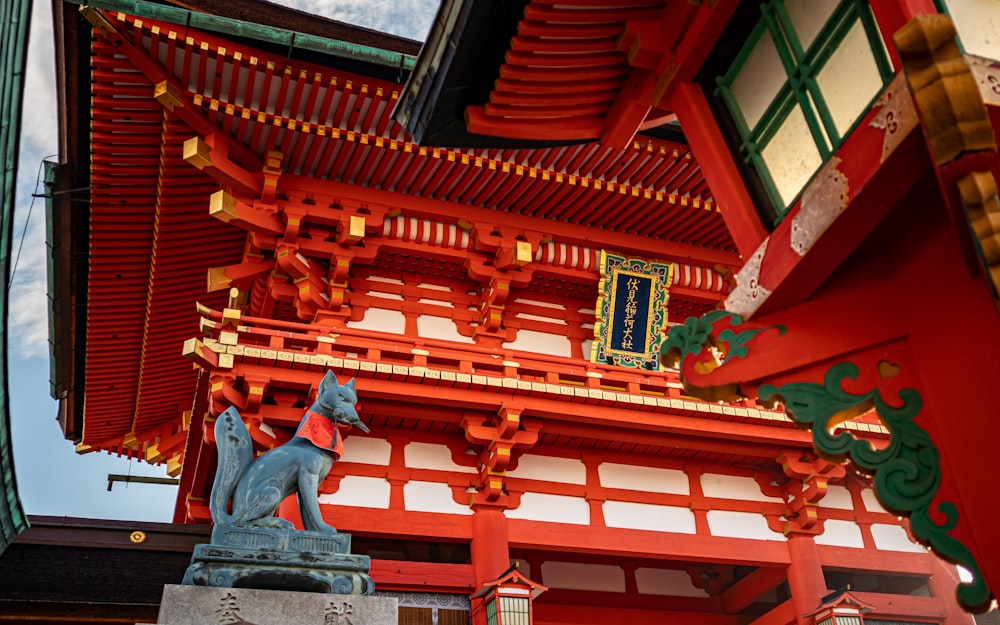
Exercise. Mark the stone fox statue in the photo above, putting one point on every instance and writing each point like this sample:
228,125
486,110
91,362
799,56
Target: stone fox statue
256,487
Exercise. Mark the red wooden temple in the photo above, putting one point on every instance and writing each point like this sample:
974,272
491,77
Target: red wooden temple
249,196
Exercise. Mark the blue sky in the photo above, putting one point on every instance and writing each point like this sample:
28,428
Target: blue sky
52,478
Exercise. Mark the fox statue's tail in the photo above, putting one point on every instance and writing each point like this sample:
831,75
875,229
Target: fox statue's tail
235,453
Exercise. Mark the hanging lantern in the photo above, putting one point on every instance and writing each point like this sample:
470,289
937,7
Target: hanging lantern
840,608
507,599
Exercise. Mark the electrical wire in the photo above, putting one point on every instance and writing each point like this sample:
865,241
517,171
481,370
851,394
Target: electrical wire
34,196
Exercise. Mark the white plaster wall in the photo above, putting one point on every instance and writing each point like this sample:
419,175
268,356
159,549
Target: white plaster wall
642,516
540,343
431,497
837,497
648,479
978,25
552,508
531,317
551,469
435,287
533,302
733,487
431,327
430,456
872,504
383,295
435,302
893,538
364,492
666,582
578,576
381,320
740,525
366,450
840,534
385,280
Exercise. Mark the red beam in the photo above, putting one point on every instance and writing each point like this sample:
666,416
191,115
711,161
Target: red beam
423,576
874,190
697,41
745,592
886,562
573,234
479,121
181,105
781,615
402,524
902,606
635,98
637,543
557,614
720,170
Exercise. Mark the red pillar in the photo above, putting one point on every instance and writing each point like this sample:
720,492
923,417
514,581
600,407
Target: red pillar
943,582
488,551
805,577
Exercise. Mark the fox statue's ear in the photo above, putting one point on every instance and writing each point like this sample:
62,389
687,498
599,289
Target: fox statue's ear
328,380
350,385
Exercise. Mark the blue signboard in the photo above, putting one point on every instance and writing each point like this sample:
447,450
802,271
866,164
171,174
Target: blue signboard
631,313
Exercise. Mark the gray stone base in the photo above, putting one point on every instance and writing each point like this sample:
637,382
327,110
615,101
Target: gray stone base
279,559
194,605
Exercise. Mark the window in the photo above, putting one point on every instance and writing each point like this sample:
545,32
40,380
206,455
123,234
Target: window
808,70
977,22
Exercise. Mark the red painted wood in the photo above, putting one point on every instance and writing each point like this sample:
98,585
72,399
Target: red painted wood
592,540
748,590
630,599
903,606
780,615
488,549
480,121
720,170
428,208
874,190
893,15
886,562
696,43
805,577
423,576
555,614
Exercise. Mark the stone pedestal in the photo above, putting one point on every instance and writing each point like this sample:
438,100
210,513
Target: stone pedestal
194,605
279,559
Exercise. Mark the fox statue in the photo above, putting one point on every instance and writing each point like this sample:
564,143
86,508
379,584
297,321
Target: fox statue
256,487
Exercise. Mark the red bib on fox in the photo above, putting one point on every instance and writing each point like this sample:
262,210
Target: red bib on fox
322,433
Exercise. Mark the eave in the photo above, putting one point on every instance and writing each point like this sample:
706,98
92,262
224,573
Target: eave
136,276
542,73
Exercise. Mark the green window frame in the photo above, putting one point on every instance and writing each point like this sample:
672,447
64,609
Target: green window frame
800,92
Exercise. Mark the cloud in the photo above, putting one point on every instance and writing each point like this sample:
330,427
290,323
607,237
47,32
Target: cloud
405,18
28,319
28,311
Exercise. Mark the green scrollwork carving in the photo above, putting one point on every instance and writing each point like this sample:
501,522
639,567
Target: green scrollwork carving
696,334
691,337
737,341
907,472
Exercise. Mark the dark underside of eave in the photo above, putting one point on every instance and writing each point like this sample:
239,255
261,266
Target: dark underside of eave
465,75
434,101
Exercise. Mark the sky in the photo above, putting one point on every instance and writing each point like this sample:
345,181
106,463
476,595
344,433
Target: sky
52,479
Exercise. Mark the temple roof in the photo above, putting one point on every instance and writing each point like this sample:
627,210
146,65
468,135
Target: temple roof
132,267
544,72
